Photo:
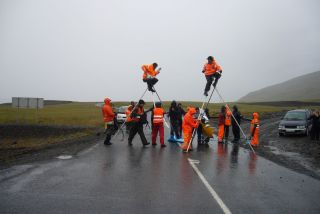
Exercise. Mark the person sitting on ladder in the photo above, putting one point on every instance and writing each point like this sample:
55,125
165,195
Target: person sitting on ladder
149,75
212,71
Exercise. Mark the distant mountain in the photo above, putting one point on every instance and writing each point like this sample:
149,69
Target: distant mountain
306,87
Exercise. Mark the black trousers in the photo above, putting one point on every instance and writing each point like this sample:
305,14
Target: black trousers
226,131
111,130
175,128
137,128
210,79
180,127
314,134
236,132
150,82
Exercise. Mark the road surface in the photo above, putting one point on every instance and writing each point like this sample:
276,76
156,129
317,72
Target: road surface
123,179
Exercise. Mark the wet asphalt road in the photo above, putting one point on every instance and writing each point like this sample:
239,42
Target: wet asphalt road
122,179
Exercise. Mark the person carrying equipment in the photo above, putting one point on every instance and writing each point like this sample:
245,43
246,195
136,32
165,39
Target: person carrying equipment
254,129
221,122
212,71
189,123
227,123
110,123
139,118
174,122
157,121
128,114
149,75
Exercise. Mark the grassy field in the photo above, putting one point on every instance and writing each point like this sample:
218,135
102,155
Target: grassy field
89,114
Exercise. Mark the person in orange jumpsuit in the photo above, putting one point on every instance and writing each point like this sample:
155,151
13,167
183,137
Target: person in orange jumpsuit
221,122
254,129
227,123
128,114
189,123
149,75
157,121
109,121
212,71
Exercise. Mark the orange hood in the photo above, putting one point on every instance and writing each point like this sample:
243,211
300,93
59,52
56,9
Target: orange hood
255,115
107,101
191,110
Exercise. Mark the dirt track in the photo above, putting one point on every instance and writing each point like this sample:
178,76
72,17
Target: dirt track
295,152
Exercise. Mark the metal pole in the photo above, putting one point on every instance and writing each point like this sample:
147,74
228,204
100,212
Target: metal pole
235,120
200,115
131,112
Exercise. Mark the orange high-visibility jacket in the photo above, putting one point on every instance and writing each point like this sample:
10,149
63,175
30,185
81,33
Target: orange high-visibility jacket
139,111
227,121
210,69
158,115
254,129
128,114
148,71
107,111
188,121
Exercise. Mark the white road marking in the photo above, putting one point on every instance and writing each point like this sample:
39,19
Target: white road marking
64,157
224,208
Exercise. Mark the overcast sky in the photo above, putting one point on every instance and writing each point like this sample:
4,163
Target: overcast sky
85,50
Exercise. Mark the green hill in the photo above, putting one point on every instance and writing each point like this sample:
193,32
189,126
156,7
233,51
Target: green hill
305,87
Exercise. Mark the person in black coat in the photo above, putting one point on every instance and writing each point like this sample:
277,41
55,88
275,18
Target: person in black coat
315,125
174,121
235,127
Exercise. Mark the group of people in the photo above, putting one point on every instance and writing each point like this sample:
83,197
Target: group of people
182,123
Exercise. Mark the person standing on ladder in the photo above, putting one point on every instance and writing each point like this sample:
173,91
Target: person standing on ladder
149,75
254,129
109,121
212,72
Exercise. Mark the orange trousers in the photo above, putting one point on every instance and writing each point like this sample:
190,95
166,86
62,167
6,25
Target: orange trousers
187,137
220,133
255,138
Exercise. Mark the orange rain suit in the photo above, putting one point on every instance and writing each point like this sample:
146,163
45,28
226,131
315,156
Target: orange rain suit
107,111
221,127
189,123
254,129
148,71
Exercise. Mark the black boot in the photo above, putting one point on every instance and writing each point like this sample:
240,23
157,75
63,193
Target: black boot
107,140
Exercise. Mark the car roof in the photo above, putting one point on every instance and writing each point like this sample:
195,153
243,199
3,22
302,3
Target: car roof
299,110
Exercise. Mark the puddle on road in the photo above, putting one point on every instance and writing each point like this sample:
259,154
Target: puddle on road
305,162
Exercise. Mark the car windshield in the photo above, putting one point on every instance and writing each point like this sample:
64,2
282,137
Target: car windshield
295,115
122,109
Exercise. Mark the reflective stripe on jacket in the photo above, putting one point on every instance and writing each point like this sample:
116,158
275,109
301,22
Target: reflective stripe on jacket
158,115
148,71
